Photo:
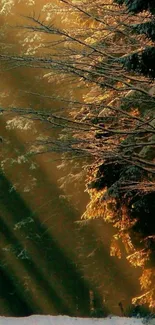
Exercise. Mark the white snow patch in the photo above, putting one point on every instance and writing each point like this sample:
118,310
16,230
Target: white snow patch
66,320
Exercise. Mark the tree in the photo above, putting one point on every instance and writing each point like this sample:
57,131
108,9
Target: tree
130,207
142,61
137,6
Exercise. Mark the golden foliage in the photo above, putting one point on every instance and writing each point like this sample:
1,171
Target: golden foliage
95,209
147,298
115,248
139,258
146,278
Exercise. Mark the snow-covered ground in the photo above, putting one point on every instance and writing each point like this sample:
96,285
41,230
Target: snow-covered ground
65,320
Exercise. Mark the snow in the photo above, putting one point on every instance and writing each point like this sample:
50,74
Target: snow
66,320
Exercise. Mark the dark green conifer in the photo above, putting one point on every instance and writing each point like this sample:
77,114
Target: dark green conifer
143,62
136,6
147,29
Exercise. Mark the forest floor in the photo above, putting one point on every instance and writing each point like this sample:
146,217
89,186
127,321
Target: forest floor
66,320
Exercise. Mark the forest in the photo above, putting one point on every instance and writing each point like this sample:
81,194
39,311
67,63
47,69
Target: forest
93,66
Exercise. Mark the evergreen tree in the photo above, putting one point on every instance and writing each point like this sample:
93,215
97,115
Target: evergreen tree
141,61
136,6
147,28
